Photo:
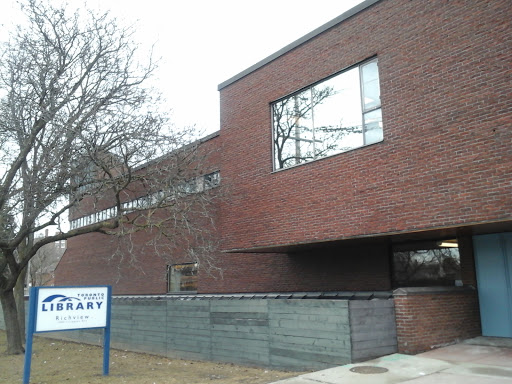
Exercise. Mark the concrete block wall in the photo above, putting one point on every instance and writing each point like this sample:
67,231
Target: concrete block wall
309,330
188,329
240,332
275,333
373,329
427,318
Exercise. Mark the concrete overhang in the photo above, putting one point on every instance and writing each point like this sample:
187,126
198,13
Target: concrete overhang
390,238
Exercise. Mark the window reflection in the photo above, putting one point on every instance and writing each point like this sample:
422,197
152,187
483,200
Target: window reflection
373,127
370,85
336,115
182,277
426,267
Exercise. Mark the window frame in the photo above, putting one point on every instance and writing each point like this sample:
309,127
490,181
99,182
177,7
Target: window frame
211,180
170,274
364,111
427,259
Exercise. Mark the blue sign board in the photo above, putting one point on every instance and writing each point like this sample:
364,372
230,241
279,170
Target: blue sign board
67,309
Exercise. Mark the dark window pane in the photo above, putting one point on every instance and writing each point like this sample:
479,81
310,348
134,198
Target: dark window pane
427,267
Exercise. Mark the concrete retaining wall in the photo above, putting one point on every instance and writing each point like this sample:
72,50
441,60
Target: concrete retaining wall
275,333
373,329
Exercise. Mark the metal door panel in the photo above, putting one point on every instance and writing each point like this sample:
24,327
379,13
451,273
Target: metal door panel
493,260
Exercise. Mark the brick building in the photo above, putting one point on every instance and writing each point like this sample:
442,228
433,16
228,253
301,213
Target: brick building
372,155
143,261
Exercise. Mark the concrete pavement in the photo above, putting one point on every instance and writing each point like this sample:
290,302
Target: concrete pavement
476,361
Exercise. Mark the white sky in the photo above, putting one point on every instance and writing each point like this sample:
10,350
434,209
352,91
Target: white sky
205,42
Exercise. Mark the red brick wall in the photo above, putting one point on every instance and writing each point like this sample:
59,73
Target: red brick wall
446,156
135,264
342,269
91,259
426,319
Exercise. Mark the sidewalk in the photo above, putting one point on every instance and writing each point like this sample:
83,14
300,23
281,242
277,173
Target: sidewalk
476,361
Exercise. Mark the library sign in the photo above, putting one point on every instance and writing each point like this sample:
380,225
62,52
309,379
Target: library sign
67,309
71,308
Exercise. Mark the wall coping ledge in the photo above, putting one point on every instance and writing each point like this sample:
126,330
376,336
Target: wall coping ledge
335,295
432,290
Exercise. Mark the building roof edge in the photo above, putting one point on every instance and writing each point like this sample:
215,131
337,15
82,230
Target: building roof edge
344,16
198,141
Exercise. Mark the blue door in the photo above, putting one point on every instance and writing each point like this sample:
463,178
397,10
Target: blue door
493,260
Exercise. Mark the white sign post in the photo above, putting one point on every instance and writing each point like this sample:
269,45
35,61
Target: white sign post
66,309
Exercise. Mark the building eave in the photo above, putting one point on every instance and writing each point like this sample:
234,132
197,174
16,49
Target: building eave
344,16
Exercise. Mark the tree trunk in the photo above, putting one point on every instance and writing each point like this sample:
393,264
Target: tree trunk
14,340
19,295
19,289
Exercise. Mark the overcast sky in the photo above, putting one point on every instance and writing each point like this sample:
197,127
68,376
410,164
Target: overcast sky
205,42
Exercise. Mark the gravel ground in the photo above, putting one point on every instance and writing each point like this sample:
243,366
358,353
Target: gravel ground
55,361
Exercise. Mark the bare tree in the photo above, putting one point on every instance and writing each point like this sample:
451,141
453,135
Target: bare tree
295,140
78,133
42,266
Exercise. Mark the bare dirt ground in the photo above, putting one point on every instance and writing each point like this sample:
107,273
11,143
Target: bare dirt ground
55,361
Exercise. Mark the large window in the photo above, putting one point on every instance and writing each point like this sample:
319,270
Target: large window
336,115
430,264
182,277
